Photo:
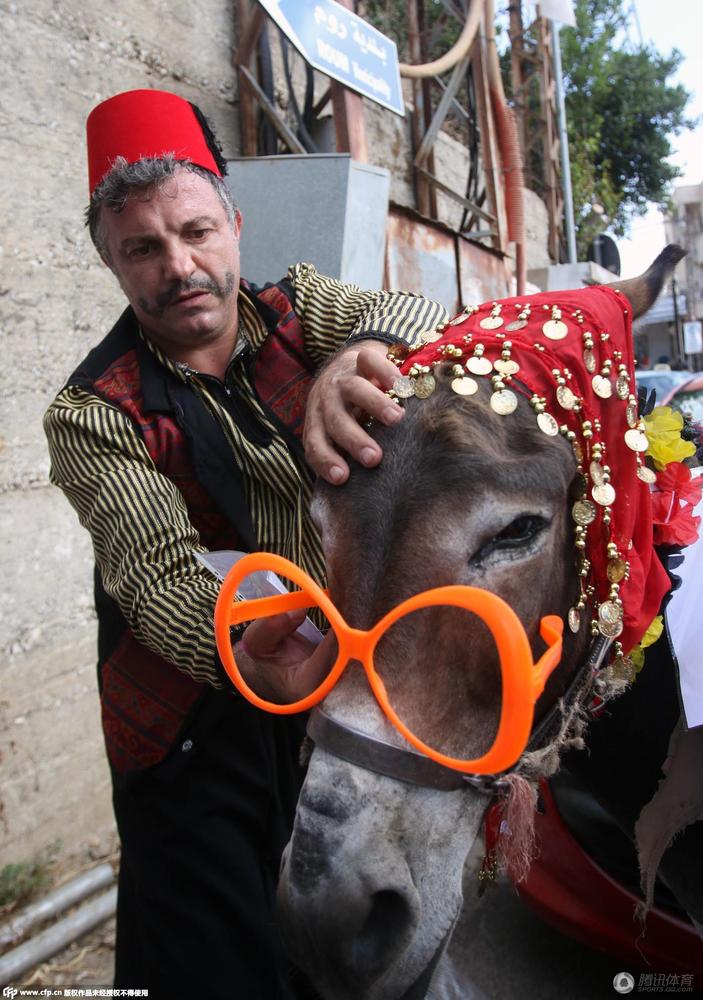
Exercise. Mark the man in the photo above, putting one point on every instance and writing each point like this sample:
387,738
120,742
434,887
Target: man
182,431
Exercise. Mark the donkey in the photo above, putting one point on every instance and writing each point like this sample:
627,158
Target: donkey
371,882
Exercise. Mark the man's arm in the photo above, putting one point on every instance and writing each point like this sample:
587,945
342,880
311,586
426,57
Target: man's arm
142,536
360,327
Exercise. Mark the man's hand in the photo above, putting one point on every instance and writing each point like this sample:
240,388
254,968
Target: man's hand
280,665
352,385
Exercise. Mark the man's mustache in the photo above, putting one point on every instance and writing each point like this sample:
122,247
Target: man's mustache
178,288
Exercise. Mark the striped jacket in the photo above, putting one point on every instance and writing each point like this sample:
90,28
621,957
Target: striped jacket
161,462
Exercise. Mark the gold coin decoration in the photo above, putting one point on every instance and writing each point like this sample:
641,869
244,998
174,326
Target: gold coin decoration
583,512
596,472
578,451
646,474
504,401
602,386
430,336
610,613
604,494
458,320
547,424
424,386
636,440
491,322
478,365
555,329
589,360
517,324
631,414
610,631
464,386
617,568
565,397
574,619
622,386
506,366
404,387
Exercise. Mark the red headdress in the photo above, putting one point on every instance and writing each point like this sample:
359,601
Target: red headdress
570,354
143,123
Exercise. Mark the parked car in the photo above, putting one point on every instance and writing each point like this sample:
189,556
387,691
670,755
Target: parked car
681,389
663,381
688,397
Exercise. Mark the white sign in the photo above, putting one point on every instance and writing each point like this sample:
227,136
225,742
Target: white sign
683,616
692,340
558,10
341,45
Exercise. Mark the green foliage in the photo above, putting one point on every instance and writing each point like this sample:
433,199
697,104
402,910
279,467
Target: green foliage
621,114
21,881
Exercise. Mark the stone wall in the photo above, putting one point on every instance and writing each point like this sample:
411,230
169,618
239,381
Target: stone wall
57,60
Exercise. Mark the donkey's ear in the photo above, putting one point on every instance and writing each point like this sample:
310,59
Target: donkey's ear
643,291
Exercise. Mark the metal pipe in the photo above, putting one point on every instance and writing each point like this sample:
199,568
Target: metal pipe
54,902
55,938
510,152
564,146
458,51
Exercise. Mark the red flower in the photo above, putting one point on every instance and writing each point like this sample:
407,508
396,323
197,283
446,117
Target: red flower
673,503
677,476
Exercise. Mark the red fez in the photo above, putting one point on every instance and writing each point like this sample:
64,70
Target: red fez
142,123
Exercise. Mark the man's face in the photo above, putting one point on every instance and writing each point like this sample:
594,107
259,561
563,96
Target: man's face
176,257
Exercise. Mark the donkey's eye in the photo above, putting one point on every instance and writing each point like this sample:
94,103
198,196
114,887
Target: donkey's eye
520,531
519,534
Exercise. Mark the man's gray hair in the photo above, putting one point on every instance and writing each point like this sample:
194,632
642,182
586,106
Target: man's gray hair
125,179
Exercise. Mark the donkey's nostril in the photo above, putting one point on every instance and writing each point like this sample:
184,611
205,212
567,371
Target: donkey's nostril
386,925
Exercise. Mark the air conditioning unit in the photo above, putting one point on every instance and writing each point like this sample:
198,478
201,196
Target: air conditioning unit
326,209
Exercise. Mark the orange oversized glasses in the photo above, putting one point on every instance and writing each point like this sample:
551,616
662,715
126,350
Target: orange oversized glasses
522,680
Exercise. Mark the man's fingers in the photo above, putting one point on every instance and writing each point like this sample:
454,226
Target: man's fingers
355,383
311,673
333,429
322,454
285,673
376,367
264,636
325,460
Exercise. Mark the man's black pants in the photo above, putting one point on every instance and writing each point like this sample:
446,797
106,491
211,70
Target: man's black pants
202,834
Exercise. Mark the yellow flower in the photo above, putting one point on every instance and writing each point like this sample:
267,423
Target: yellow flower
653,632
663,428
650,636
637,657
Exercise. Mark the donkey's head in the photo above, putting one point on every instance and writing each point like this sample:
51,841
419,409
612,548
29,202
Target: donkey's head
373,880
471,494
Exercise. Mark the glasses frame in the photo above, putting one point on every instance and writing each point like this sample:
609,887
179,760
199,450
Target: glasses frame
523,680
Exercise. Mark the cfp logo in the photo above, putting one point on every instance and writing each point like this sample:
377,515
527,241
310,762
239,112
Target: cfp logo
10,991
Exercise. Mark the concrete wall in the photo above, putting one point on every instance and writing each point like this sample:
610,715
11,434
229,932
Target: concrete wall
57,60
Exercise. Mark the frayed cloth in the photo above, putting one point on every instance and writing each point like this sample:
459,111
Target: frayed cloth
677,802
515,844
